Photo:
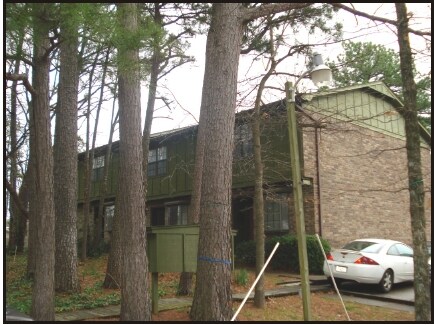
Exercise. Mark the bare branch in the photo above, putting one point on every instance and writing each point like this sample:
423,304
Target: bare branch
16,199
372,17
23,78
20,58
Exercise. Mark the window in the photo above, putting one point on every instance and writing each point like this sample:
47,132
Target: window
98,168
243,141
404,250
177,215
109,213
364,246
157,161
276,214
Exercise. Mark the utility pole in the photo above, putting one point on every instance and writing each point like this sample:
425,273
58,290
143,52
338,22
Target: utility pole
298,201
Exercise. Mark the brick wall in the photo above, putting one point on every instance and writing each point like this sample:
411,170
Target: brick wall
363,183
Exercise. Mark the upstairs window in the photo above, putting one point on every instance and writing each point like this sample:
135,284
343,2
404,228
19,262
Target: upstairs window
157,161
276,214
243,141
98,168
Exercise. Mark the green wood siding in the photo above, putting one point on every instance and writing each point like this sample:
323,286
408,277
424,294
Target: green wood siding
364,106
371,106
180,167
180,163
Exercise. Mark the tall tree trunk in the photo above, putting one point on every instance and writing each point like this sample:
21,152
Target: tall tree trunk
31,258
186,279
258,205
43,286
107,165
88,161
21,212
258,199
212,297
415,176
113,271
98,222
135,298
65,157
16,239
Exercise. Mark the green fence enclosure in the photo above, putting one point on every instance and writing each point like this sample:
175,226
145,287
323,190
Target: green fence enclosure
174,248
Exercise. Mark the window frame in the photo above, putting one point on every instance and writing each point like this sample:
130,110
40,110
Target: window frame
157,162
282,213
181,215
108,218
243,141
98,164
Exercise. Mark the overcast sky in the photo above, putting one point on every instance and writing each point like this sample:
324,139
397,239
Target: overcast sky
185,83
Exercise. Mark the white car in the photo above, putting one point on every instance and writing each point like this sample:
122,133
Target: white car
373,261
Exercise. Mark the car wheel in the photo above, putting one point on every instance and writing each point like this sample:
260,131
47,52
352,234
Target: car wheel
386,282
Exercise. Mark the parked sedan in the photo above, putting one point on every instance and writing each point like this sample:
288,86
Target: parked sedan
373,261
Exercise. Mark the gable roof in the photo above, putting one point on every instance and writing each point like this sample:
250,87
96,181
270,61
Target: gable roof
377,89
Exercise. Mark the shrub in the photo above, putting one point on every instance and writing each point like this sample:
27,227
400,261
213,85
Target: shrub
241,278
286,256
245,253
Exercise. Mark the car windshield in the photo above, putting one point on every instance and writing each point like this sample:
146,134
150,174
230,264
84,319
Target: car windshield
363,246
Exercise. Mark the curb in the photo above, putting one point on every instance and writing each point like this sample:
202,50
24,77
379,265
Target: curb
373,297
280,292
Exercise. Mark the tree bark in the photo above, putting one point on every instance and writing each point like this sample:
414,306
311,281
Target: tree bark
107,165
113,272
415,176
212,298
20,211
88,161
65,157
258,199
98,221
16,239
43,286
135,298
31,259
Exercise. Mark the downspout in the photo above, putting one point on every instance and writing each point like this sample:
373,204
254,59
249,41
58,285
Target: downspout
318,177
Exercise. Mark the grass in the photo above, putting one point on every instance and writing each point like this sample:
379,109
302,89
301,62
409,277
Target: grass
325,305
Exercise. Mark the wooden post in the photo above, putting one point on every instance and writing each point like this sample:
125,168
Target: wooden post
298,201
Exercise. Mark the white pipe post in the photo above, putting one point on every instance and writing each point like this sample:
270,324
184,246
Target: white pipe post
254,283
331,275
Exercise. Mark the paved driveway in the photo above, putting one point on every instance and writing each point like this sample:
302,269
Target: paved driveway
401,297
402,292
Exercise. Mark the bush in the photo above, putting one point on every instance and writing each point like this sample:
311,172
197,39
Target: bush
286,255
242,277
245,253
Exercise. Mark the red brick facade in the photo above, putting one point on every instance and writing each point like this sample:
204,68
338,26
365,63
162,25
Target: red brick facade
363,190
